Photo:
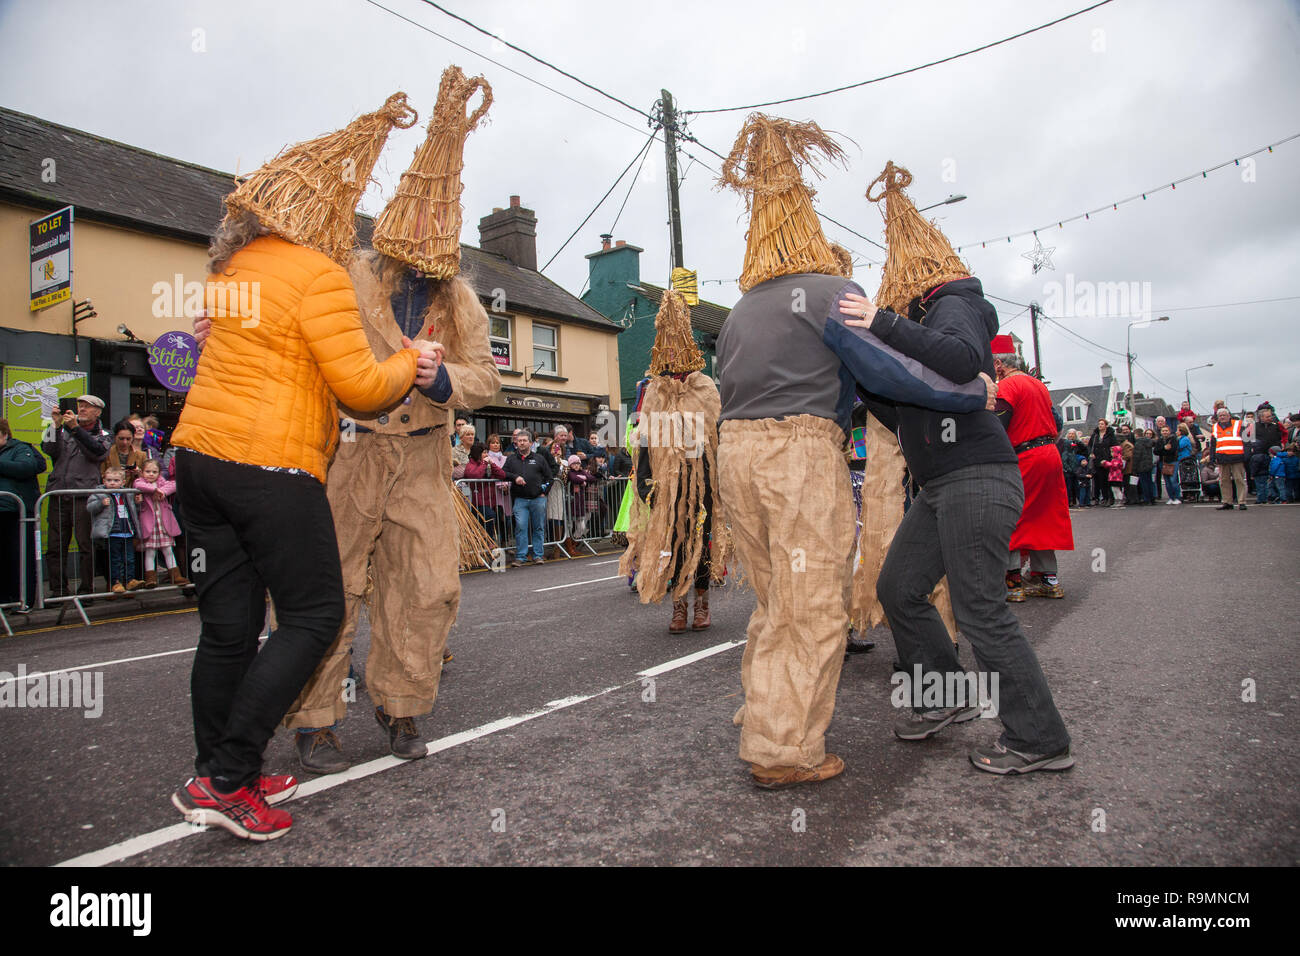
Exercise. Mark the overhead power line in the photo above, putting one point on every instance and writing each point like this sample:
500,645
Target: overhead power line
639,152
508,69
538,59
890,76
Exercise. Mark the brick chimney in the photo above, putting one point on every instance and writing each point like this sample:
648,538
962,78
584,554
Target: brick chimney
511,233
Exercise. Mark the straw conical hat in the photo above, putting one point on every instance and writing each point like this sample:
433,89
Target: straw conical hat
309,192
674,349
920,256
784,235
421,225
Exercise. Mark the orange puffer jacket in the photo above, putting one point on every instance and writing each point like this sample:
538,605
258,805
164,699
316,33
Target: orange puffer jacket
286,345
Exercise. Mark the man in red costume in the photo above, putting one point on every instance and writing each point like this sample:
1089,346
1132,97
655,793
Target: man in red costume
1025,409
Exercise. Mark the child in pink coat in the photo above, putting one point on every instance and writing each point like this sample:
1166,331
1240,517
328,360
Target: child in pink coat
158,525
1115,474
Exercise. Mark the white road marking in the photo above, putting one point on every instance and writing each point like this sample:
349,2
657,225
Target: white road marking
148,841
556,587
596,564
83,667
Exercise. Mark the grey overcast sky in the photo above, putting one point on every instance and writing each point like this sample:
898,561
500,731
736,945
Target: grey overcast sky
1124,98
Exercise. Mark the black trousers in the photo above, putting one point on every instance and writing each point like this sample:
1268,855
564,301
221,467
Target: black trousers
251,531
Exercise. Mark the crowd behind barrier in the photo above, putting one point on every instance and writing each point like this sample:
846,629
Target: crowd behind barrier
577,515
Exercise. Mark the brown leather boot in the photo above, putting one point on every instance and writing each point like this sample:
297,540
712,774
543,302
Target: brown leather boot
177,578
151,579
701,621
678,623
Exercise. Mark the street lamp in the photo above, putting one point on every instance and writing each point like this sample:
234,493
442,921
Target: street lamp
944,202
1244,395
1187,386
1128,351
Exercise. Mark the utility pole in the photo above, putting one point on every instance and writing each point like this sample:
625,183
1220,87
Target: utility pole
669,118
1033,327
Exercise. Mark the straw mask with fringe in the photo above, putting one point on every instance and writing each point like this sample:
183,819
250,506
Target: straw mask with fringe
784,237
678,429
882,512
308,193
421,223
919,256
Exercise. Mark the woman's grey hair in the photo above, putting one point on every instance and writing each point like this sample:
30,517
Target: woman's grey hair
237,230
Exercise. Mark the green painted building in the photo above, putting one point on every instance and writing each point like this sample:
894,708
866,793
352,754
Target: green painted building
616,291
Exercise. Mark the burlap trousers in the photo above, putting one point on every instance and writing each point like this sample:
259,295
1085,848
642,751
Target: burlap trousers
395,527
786,490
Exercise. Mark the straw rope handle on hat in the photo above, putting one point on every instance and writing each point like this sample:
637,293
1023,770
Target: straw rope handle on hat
485,88
397,110
893,179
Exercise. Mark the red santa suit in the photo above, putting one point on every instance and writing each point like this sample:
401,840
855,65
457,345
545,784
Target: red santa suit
1045,521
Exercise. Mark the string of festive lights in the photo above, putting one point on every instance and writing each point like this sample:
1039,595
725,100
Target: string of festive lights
1114,206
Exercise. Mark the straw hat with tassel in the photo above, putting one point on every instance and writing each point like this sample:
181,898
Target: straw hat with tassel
920,256
309,192
784,235
421,224
675,349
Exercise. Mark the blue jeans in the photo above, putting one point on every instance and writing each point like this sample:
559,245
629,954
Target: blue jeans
1146,488
1263,486
1172,488
960,525
530,524
1085,493
1280,489
121,559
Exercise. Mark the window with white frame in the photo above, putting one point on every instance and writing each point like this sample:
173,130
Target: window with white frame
500,338
1073,413
546,342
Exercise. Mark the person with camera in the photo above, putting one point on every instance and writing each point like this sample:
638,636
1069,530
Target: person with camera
76,443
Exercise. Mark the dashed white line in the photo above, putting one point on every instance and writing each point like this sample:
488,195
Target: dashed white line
83,667
148,841
556,587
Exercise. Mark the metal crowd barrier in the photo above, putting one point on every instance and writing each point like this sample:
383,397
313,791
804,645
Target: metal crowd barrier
86,565
589,512
24,530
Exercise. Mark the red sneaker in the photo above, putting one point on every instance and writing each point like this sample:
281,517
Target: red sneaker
244,813
277,788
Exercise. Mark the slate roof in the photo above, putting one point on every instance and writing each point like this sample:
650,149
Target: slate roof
1095,395
124,185
707,317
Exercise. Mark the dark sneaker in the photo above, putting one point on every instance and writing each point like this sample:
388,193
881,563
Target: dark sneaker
1224,507
1241,507
516,563
245,813
1042,588
921,724
319,751
778,778
538,559
404,738
277,788
858,645
1001,759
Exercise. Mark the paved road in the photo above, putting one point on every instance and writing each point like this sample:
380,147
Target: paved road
551,752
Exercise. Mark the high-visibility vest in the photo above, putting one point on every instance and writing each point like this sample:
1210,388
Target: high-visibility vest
1227,441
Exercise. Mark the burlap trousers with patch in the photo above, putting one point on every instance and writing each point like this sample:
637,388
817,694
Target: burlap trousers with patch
395,524
785,487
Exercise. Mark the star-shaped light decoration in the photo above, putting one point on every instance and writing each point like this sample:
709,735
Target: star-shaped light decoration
1040,256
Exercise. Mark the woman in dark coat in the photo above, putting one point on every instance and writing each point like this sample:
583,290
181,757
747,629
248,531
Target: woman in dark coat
1099,446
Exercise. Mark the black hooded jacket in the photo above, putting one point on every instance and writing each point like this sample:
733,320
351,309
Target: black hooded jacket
948,331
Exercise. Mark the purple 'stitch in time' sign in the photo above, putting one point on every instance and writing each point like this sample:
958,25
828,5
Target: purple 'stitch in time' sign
174,358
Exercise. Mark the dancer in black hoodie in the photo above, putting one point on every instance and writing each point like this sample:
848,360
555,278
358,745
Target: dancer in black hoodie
970,500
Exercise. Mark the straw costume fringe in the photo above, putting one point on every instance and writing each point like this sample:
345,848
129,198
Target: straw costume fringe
476,548
882,512
784,235
919,255
421,223
309,192
678,429
845,259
